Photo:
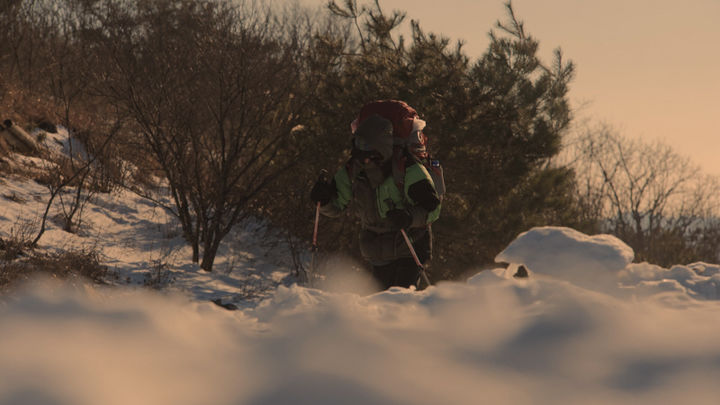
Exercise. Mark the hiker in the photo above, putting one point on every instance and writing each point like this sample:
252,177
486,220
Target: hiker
387,182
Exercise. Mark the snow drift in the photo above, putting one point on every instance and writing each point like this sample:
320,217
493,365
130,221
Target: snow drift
651,337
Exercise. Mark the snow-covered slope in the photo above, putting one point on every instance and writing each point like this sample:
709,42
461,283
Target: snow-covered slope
140,242
640,334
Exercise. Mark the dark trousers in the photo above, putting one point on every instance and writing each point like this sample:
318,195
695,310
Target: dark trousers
402,272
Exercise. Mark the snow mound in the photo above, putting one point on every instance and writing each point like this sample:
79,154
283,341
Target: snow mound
589,261
700,281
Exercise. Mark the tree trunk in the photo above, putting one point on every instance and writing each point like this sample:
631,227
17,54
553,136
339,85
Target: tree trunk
209,253
196,251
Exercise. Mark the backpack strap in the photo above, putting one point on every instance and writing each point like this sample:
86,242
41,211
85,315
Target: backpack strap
399,164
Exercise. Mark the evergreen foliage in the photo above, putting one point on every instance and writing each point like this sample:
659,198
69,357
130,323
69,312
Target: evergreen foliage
494,123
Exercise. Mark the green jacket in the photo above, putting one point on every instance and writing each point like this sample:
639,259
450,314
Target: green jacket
380,241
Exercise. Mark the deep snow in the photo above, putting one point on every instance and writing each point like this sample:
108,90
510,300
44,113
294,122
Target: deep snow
587,327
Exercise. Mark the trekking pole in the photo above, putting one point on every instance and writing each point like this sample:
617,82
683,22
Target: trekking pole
317,221
423,274
314,249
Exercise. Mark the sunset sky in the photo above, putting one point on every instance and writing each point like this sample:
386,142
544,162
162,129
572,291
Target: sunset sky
650,68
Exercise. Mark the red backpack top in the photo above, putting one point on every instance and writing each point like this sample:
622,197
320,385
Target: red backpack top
407,134
407,125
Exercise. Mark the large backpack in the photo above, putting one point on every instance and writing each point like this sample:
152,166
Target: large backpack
408,138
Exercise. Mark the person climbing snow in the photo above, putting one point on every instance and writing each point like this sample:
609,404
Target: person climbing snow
393,187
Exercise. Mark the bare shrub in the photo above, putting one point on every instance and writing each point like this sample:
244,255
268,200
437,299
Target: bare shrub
159,276
256,287
64,171
19,240
76,264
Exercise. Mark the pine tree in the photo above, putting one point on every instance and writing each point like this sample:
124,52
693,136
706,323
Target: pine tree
495,124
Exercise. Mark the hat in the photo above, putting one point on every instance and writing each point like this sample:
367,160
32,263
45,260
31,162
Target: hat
375,134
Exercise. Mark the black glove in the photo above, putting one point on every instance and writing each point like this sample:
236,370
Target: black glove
322,192
401,219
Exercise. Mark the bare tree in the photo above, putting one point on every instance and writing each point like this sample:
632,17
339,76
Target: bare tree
68,171
216,91
642,191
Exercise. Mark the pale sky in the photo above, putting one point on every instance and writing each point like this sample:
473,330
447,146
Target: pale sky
650,68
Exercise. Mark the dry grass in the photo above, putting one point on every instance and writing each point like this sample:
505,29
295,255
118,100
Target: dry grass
81,264
19,240
159,276
25,108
